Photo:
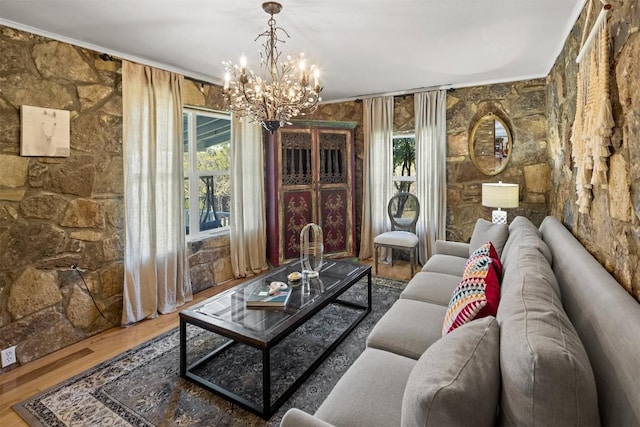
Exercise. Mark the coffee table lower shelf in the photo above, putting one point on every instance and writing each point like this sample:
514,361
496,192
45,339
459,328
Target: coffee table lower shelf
267,409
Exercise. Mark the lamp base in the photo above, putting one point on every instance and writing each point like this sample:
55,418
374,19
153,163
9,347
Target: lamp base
499,217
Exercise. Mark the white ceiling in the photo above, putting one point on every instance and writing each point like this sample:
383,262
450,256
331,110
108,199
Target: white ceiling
362,47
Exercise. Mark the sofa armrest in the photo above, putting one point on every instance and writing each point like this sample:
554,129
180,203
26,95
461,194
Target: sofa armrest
295,417
459,249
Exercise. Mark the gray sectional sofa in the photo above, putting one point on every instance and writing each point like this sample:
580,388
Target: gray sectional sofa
563,349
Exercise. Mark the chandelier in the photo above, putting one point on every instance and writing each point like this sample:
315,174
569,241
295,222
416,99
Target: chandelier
283,90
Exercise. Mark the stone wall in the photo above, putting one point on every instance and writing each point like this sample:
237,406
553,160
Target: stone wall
522,105
611,231
57,212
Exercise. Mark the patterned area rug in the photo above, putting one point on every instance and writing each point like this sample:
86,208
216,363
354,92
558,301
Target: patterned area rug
142,386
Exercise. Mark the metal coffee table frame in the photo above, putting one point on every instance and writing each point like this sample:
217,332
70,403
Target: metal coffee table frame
266,340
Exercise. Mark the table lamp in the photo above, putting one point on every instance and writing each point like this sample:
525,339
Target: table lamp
499,196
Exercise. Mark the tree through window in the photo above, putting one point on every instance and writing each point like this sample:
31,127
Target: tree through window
404,169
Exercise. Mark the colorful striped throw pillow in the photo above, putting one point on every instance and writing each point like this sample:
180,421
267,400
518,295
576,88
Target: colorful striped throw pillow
488,250
477,295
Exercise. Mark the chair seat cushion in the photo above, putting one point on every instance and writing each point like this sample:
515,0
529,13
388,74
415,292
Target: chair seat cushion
397,238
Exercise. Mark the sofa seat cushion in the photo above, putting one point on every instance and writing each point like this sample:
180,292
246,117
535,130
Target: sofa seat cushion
370,392
456,382
427,286
445,264
408,328
485,231
546,375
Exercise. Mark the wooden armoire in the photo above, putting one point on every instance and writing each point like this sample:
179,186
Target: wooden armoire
310,178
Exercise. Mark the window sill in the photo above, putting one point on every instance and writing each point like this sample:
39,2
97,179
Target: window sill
223,231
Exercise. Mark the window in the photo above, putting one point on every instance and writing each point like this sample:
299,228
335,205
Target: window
207,183
404,162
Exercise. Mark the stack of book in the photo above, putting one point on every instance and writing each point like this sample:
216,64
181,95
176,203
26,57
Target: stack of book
263,296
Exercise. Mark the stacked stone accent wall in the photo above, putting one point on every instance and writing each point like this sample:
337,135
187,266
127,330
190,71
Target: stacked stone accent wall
59,212
522,105
64,211
611,231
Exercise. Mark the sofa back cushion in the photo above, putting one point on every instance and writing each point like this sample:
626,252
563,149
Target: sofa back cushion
606,317
485,231
522,232
546,375
456,381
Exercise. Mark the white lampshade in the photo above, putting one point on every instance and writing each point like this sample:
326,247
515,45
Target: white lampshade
500,195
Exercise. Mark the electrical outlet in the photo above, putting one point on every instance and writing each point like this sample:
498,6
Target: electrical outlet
8,356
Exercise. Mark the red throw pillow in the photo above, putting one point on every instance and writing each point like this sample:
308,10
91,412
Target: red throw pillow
477,295
488,250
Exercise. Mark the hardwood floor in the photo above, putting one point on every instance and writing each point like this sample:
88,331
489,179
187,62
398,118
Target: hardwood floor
34,377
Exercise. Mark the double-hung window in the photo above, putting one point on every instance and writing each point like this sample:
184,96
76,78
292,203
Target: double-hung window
404,162
207,183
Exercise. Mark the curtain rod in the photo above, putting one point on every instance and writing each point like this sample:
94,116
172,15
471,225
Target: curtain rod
592,34
107,57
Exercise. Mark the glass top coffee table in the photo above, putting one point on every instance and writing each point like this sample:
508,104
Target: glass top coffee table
259,331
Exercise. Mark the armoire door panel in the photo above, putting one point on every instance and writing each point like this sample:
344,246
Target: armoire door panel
297,211
296,149
335,220
333,152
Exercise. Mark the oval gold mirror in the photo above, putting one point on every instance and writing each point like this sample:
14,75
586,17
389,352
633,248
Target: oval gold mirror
490,144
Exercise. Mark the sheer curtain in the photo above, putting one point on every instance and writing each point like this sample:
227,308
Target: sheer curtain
156,268
248,223
431,168
377,171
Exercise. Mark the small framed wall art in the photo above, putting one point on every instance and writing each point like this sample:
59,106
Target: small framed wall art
44,132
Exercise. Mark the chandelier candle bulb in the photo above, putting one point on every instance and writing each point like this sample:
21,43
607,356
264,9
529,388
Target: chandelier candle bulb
227,79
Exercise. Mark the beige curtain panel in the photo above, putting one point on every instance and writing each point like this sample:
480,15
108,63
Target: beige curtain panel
156,267
431,168
377,187
248,220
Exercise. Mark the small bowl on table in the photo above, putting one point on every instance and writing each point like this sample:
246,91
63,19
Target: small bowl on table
294,278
